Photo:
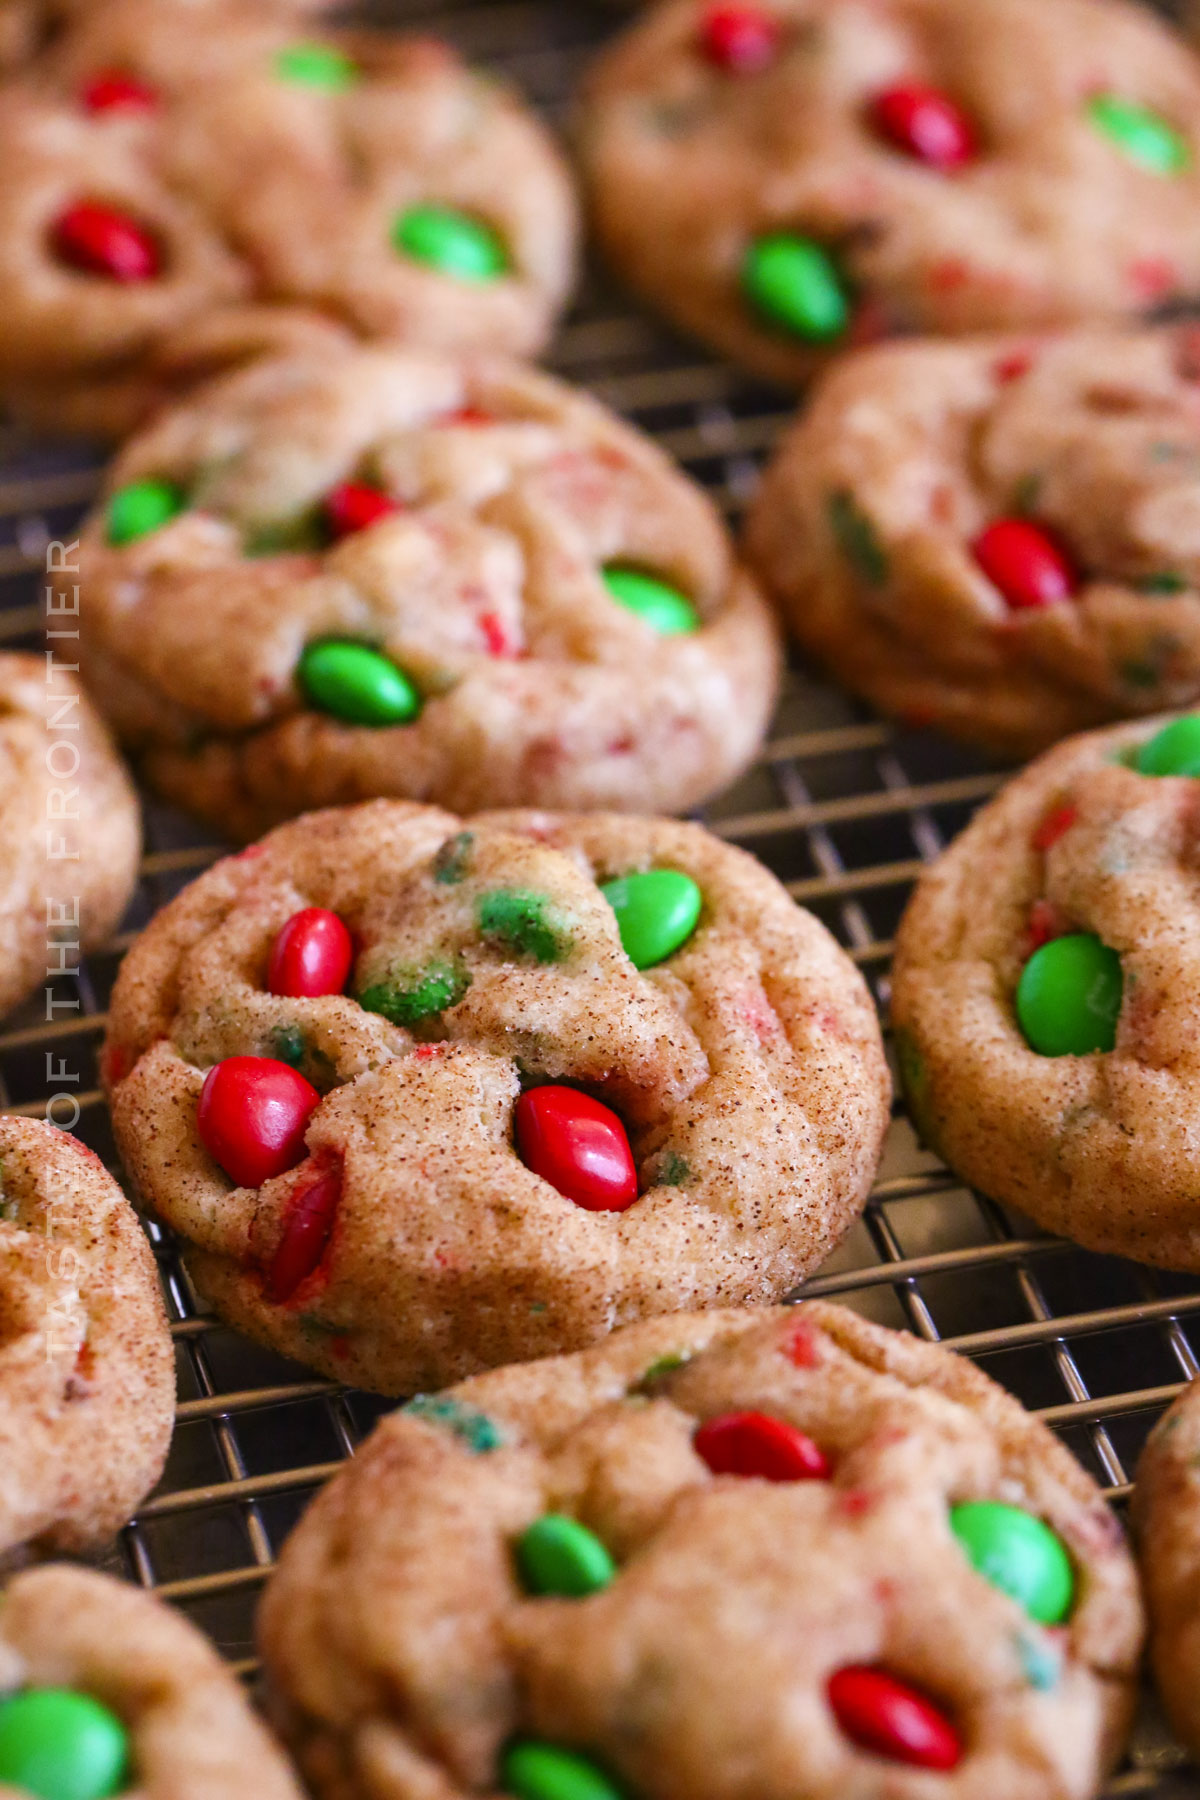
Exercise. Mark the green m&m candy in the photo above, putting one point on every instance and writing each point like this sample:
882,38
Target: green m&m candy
558,1555
142,507
657,913
655,602
1143,135
1018,1554
533,1771
794,284
58,1745
1175,750
1069,996
357,684
316,66
452,242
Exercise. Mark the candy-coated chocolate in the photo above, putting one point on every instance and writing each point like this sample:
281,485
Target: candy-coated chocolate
99,240
59,1745
655,602
452,242
311,956
252,1117
558,1555
657,912
357,684
522,922
354,506
307,1229
744,40
795,286
1018,1553
1069,996
753,1444
115,91
579,1146
1025,563
419,994
1175,750
1143,135
926,123
141,508
889,1718
533,1771
316,66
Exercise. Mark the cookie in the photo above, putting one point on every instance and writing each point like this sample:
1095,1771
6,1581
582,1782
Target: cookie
785,178
105,1690
1166,1517
169,169
70,829
994,536
1044,1001
450,580
423,1094
87,1372
773,1552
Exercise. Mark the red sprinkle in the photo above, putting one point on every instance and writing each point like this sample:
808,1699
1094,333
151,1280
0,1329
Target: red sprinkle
1012,367
755,1444
800,1346
1153,277
888,1717
252,1117
1025,563
353,507
854,1503
1043,924
1054,826
496,636
311,956
115,91
101,241
946,277
306,1234
579,1146
925,123
743,40
115,1064
469,415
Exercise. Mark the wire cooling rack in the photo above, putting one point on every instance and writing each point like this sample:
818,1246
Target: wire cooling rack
844,810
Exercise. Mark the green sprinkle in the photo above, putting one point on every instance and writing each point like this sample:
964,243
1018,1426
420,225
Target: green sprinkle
1026,494
59,1745
663,1366
306,532
1175,750
558,1555
793,283
476,1430
1069,997
533,1771
1040,1664
1140,675
423,994
655,602
450,863
657,912
1142,134
856,538
142,508
451,242
1166,582
288,1045
675,1170
520,922
357,684
316,66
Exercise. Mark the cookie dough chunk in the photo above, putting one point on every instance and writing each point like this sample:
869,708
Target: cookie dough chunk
1166,1518
773,1552
70,831
425,1094
786,178
106,1690
361,573
1044,994
87,1373
996,536
169,169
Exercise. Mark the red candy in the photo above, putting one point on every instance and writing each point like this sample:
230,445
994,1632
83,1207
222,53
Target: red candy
1025,563
741,39
252,1117
753,1443
101,241
311,957
889,1718
926,123
353,506
306,1234
114,91
578,1146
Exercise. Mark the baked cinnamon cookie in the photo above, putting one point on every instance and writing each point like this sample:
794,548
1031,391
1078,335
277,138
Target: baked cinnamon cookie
87,1373
1044,996
1166,1517
104,1690
786,177
169,168
366,572
997,536
768,1553
423,1095
28,25
70,829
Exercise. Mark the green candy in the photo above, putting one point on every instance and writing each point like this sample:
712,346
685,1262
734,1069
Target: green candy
451,242
558,1555
655,602
1069,996
1143,135
357,684
794,284
532,1771
657,913
1018,1554
316,66
432,991
141,508
58,1745
473,1428
452,860
1175,750
520,922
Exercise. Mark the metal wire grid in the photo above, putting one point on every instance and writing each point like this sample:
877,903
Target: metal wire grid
844,809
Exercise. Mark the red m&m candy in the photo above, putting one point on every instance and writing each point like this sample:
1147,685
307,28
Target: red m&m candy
252,1117
579,1146
742,39
886,1716
311,956
926,123
1025,563
755,1444
306,1234
101,241
353,506
115,91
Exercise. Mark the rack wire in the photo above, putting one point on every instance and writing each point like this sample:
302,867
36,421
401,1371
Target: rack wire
844,809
